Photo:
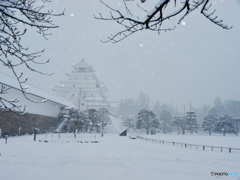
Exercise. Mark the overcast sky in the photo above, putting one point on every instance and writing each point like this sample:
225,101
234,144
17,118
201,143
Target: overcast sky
196,62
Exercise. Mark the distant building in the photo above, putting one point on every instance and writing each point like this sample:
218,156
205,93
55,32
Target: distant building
83,88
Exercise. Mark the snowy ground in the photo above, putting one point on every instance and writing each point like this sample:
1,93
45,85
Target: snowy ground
115,158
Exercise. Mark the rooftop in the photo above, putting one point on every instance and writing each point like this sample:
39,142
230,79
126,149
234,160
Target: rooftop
82,67
12,82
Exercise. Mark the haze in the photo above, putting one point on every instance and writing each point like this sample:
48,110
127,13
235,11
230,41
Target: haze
196,62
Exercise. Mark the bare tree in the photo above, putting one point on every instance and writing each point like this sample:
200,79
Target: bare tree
16,16
155,19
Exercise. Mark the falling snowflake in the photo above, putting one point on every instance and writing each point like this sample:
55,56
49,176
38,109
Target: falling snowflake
183,23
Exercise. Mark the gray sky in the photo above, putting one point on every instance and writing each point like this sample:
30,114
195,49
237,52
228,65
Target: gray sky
196,62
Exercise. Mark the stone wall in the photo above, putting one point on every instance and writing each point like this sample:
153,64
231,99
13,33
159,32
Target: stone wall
10,123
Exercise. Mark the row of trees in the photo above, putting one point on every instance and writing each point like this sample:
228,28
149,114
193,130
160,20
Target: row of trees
148,120
87,121
224,124
223,117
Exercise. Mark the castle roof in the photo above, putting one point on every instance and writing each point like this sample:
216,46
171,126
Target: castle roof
82,67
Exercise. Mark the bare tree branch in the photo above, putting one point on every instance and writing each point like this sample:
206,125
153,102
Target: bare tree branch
155,19
13,15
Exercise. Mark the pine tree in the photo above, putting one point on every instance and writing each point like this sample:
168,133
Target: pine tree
147,120
75,121
225,125
183,122
236,122
165,118
191,121
176,122
209,123
129,123
103,117
93,117
83,120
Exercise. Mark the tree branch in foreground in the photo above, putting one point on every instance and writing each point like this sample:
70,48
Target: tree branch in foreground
16,16
155,19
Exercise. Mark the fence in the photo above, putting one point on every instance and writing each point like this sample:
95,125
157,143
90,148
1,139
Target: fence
203,147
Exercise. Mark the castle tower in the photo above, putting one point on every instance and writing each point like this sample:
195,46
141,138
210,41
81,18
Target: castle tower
83,88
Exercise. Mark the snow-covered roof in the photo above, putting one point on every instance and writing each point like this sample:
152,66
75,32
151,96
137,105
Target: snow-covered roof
66,89
13,83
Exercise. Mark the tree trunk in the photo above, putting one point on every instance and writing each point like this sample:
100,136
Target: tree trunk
147,130
210,132
178,130
237,128
183,131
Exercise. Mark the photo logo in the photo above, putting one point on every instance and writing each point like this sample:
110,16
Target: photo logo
224,173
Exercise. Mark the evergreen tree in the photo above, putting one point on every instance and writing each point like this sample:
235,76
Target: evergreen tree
176,122
183,122
94,121
191,121
225,125
186,122
236,122
75,121
103,117
165,119
147,120
209,123
129,123
83,120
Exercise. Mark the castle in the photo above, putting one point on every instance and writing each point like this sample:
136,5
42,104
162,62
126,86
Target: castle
83,88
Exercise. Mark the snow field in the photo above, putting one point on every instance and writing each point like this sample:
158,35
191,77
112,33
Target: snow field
114,158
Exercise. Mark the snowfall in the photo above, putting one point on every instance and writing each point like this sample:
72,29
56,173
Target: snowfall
114,157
